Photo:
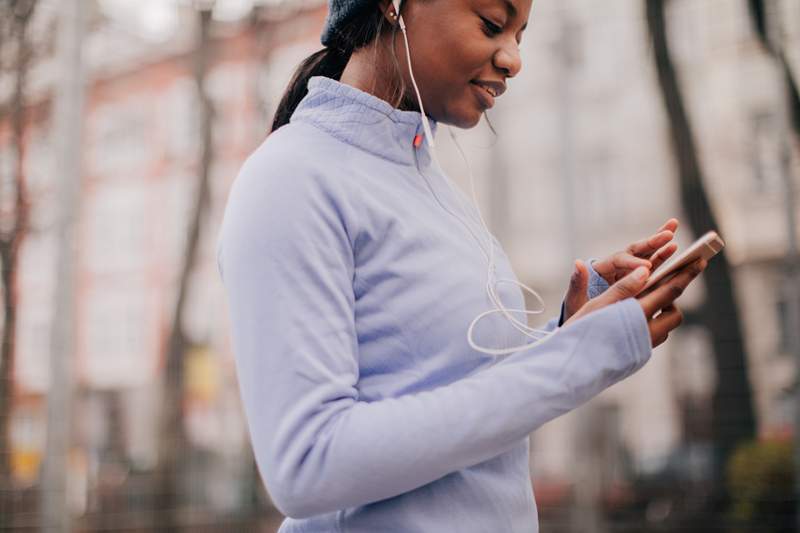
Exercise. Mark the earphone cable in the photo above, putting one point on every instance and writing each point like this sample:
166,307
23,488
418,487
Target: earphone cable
537,334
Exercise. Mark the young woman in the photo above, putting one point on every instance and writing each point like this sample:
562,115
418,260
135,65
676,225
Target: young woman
353,272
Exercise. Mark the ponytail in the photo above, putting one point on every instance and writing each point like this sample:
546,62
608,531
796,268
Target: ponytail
328,62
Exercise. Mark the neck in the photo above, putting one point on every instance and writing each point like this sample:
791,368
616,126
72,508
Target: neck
371,69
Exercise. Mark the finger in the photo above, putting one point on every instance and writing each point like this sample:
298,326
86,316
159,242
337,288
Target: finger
670,318
671,225
627,287
646,247
668,291
663,253
577,294
627,262
658,339
618,265
604,267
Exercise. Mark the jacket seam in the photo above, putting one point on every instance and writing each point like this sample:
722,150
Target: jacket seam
344,141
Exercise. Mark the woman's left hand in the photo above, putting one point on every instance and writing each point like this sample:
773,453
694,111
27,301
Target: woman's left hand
650,252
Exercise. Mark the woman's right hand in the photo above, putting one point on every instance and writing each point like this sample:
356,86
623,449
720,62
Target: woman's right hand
662,298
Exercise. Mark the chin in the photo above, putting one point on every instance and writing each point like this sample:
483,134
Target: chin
464,121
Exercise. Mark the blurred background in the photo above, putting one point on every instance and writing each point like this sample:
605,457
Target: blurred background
123,125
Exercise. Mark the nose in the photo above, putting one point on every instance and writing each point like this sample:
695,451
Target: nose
508,58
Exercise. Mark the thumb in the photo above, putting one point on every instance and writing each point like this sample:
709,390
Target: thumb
578,286
627,287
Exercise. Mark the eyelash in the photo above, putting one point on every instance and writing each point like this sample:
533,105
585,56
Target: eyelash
490,28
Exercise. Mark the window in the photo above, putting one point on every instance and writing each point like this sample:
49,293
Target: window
117,228
8,158
183,133
119,144
765,149
786,327
601,190
120,347
33,340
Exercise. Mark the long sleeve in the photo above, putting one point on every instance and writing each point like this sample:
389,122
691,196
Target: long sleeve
287,261
597,285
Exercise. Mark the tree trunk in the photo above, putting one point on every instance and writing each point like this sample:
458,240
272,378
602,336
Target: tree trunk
12,232
759,18
768,29
174,444
733,420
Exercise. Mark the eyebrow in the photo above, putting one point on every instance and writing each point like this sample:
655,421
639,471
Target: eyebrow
513,12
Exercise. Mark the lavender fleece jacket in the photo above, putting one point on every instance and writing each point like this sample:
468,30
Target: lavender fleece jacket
350,290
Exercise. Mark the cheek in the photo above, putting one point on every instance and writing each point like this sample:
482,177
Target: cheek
458,55
456,51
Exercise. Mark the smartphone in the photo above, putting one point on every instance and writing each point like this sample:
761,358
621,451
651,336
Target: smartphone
706,247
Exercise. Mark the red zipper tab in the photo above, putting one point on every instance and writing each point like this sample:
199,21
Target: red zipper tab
417,140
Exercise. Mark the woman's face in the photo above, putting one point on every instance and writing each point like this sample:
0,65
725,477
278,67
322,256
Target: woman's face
456,43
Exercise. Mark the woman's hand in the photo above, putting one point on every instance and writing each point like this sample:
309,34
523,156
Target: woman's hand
650,252
657,304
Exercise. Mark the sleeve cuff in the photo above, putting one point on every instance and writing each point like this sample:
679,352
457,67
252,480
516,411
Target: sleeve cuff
638,331
597,285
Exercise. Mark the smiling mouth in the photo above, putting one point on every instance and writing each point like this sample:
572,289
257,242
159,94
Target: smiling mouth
489,90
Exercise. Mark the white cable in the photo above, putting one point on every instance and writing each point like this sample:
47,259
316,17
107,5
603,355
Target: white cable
425,124
538,334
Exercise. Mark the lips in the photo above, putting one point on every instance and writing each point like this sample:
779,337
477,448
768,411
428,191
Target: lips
487,90
495,88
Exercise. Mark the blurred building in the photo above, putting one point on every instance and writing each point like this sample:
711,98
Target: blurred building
141,155
587,171
593,166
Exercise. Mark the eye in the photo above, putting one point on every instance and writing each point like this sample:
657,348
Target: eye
490,28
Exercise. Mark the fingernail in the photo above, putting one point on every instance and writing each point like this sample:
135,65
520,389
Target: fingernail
640,273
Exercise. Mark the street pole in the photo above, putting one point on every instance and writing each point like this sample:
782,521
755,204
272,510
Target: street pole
791,291
67,134
791,288
585,515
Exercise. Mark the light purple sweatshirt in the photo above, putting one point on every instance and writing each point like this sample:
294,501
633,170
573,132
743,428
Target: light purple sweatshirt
350,290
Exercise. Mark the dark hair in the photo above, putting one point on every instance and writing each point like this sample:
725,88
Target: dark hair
331,61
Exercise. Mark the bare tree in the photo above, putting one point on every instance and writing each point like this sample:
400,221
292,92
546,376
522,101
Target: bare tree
15,17
759,17
173,442
733,420
768,28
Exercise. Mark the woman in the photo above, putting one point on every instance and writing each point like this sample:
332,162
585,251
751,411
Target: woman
352,274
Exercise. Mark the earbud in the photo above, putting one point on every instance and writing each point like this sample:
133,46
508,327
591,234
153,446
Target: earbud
394,14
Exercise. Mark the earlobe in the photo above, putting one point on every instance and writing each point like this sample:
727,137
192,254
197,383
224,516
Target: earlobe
388,11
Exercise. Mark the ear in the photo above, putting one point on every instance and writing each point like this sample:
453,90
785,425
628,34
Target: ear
387,8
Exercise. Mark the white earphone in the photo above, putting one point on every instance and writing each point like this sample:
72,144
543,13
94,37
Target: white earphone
537,334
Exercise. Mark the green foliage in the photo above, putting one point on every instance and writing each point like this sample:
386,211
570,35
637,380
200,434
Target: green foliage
760,479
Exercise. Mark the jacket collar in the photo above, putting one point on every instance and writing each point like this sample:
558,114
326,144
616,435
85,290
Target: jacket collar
365,121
